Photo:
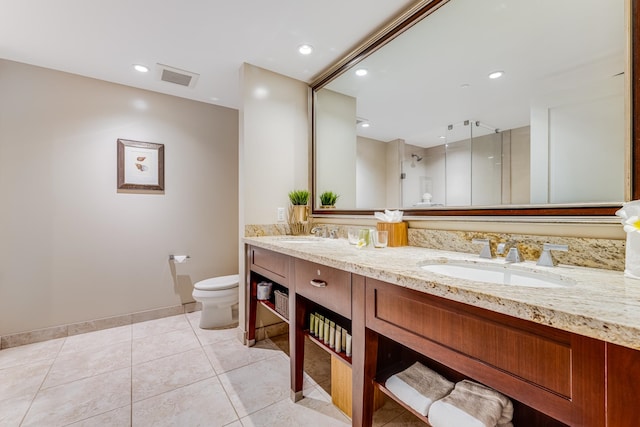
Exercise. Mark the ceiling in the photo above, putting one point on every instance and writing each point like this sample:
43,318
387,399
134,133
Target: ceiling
436,73
103,39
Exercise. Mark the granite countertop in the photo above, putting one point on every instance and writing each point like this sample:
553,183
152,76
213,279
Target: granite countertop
601,304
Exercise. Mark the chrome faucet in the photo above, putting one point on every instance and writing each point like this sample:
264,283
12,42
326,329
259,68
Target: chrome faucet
546,258
319,231
485,252
513,255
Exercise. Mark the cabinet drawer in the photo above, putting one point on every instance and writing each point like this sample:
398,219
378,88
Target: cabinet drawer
324,285
536,354
270,264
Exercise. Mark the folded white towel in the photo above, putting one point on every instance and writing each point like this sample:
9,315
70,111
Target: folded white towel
471,405
418,387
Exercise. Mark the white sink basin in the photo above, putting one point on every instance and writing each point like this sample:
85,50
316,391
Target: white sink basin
498,274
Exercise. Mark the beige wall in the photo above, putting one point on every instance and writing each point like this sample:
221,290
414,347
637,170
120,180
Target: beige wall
274,142
371,174
336,156
274,150
71,247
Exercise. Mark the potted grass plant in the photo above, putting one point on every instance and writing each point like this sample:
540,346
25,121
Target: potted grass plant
299,199
328,199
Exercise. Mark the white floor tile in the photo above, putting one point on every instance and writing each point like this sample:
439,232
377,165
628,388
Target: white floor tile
260,384
168,373
23,380
307,412
160,326
26,354
257,386
213,336
73,366
97,339
79,400
13,410
157,346
120,417
201,404
232,354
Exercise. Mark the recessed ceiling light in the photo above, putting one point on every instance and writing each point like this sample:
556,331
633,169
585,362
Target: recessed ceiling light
361,72
305,49
496,74
141,68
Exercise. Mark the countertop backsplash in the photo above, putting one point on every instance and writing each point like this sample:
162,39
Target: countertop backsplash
583,252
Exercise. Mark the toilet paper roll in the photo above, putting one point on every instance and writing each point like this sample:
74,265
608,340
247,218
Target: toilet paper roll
264,290
179,259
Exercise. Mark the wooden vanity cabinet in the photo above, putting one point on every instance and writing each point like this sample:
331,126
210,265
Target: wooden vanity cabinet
552,371
553,376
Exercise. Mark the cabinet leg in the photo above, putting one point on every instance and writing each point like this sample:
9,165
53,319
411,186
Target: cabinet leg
251,309
365,358
298,311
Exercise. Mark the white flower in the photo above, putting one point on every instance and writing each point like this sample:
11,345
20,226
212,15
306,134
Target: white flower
632,224
629,214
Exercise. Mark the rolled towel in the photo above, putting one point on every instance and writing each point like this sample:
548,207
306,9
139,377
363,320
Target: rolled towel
418,387
472,405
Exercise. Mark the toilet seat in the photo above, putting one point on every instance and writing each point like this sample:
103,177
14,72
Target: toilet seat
218,283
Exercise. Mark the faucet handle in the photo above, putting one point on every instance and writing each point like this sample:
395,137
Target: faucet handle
319,231
485,252
513,255
546,258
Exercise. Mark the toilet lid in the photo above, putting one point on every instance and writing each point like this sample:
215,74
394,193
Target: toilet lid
218,283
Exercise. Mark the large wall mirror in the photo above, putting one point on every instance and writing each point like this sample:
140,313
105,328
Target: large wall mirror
418,120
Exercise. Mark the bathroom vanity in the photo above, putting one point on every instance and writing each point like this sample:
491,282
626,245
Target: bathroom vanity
567,355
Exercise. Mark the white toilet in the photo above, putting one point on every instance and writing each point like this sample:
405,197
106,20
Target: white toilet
218,295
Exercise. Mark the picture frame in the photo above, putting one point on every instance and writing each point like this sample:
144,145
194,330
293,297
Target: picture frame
140,165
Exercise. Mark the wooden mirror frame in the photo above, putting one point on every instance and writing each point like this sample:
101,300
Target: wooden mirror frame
421,11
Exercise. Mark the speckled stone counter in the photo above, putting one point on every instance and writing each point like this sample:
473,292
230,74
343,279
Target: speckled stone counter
601,304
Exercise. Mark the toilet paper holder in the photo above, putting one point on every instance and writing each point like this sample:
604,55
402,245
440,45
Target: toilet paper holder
179,258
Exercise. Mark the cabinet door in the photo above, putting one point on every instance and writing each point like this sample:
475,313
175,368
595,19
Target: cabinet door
553,371
623,386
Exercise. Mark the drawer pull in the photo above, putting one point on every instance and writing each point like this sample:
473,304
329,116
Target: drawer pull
318,283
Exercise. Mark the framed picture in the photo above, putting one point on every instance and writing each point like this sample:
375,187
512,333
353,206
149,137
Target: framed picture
140,165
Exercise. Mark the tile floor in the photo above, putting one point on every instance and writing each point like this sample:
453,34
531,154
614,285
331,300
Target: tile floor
167,372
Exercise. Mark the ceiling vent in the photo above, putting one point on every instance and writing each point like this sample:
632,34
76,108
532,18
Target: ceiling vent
177,76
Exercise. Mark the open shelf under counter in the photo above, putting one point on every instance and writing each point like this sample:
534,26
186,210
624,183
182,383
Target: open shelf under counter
400,402
272,308
342,356
382,377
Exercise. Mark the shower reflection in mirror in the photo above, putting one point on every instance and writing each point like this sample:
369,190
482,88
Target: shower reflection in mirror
473,166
